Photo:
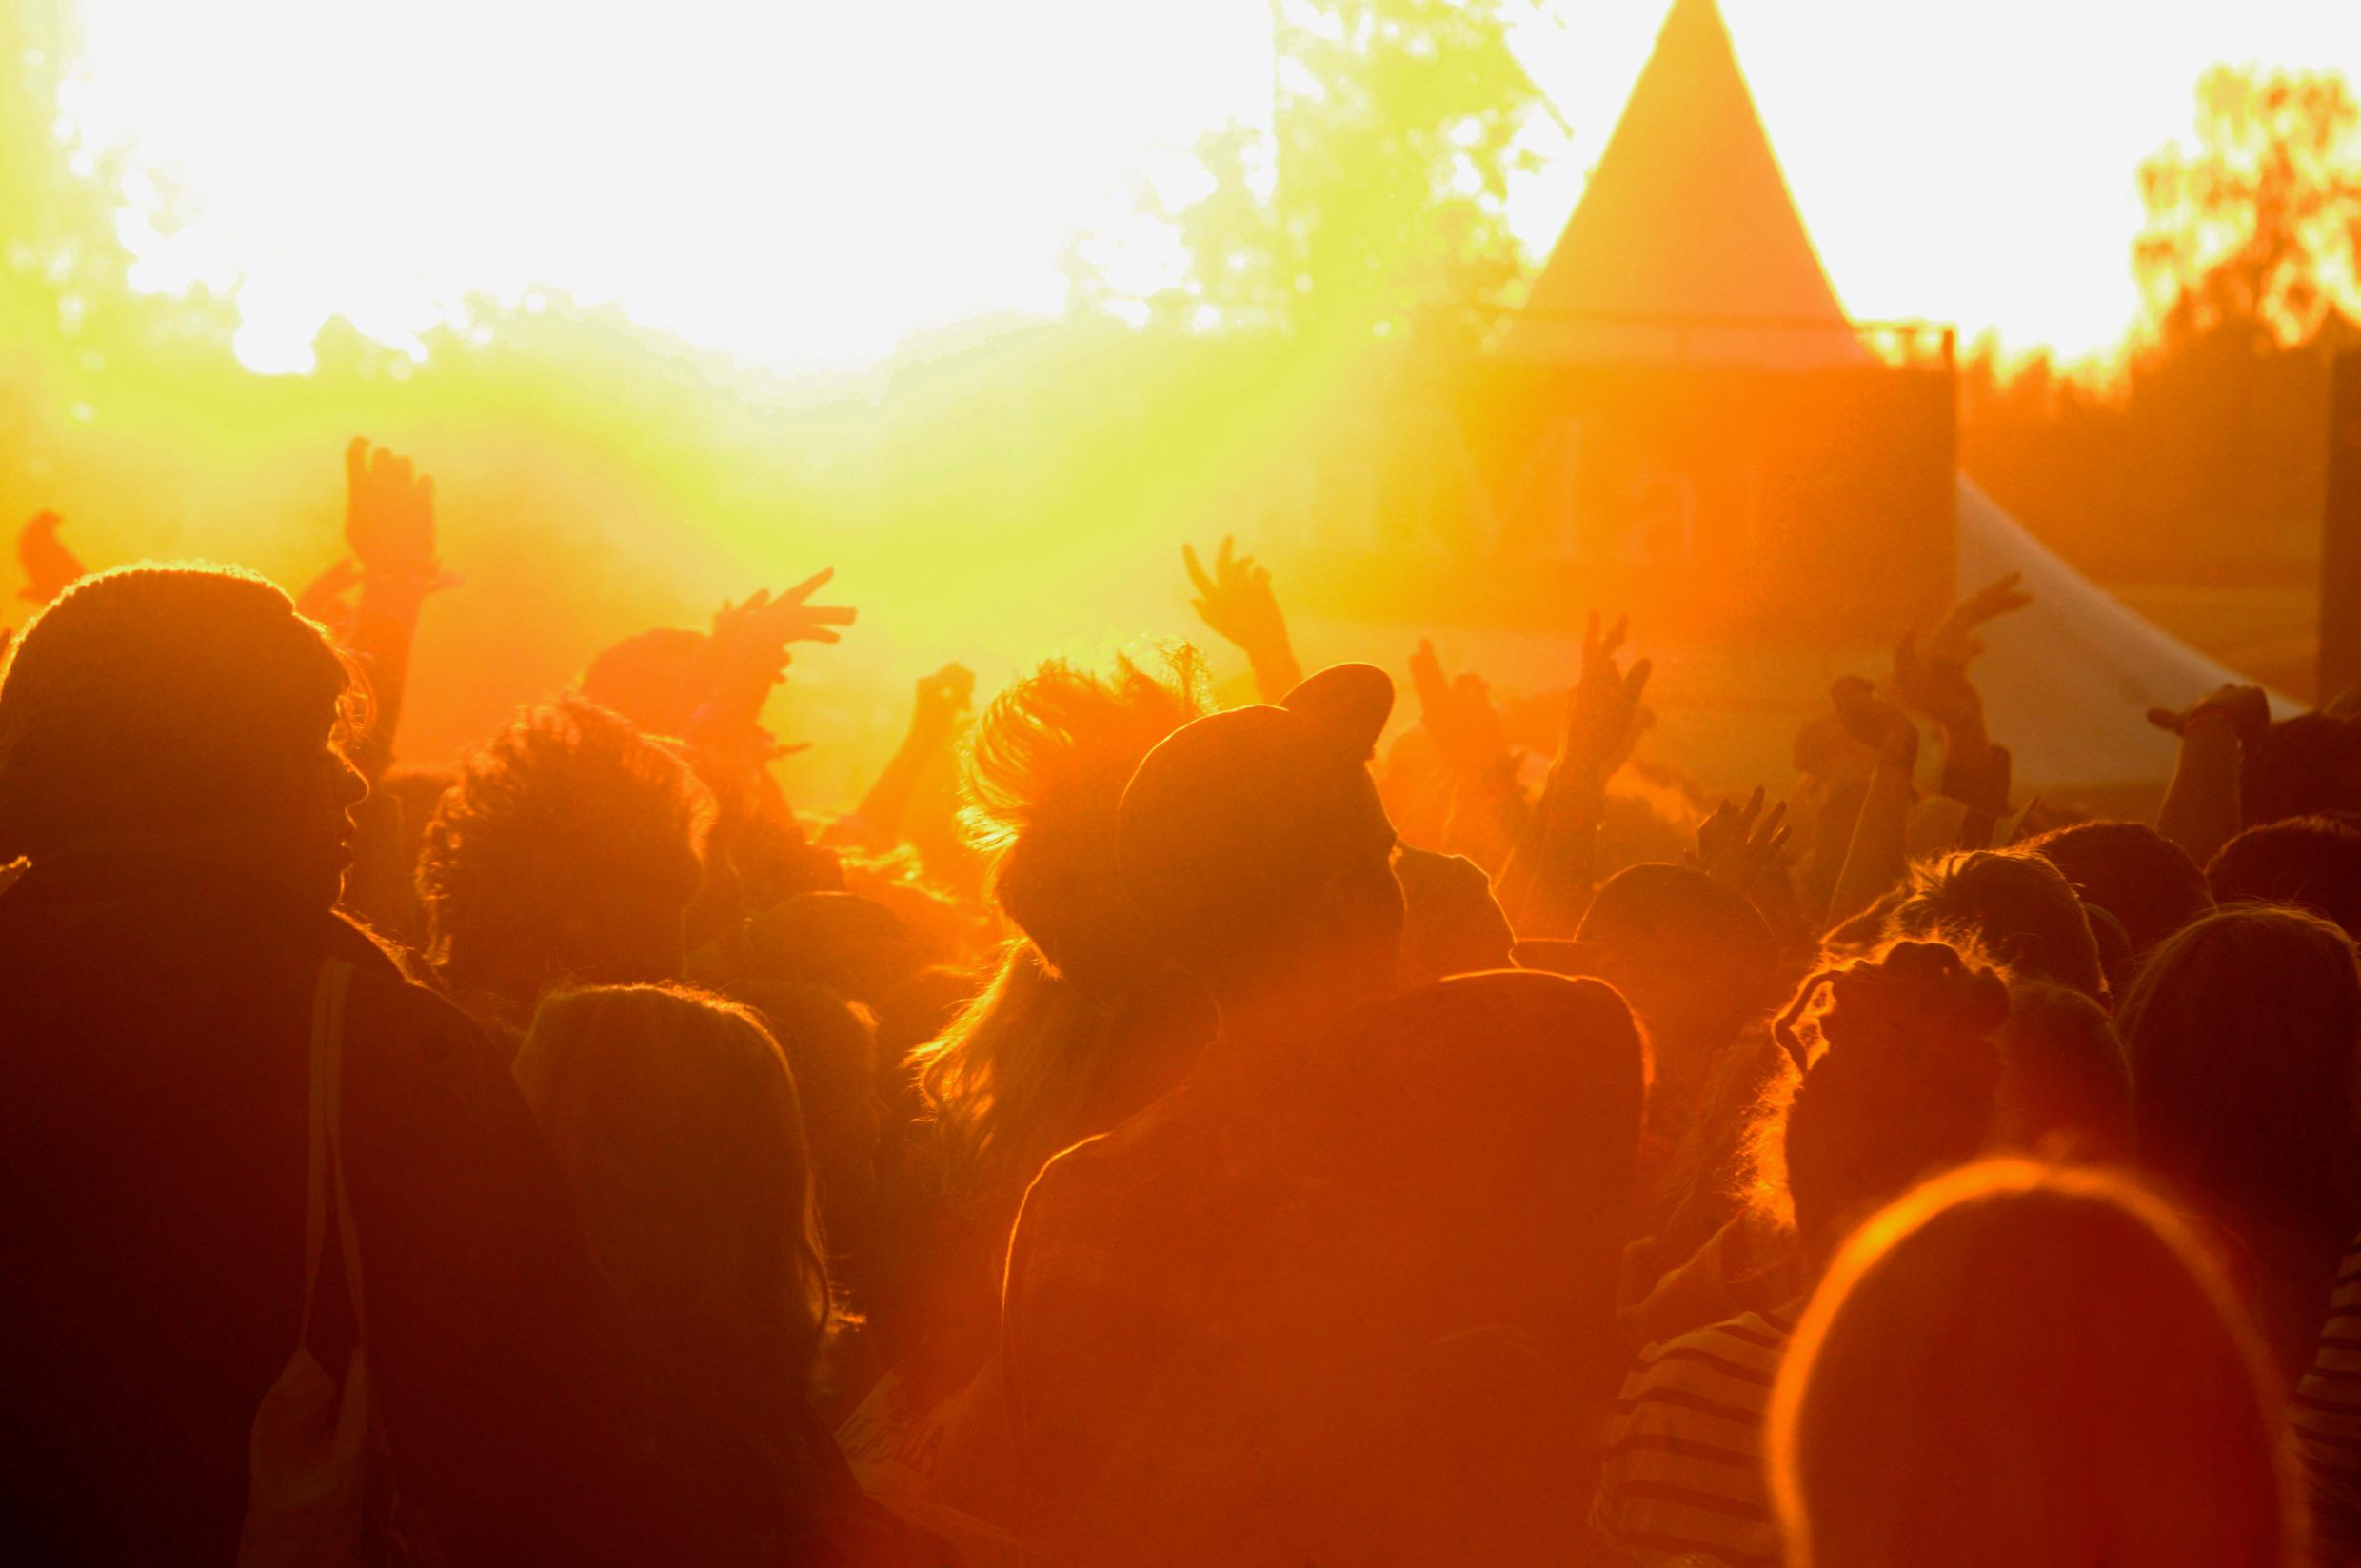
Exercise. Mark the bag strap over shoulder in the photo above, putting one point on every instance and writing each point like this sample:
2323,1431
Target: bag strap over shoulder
324,1170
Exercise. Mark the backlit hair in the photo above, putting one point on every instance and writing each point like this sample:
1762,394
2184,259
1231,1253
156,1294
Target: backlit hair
1040,1058
566,824
154,696
675,1119
2040,1368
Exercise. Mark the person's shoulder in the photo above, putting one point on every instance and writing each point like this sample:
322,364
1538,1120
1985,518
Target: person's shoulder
389,1009
1725,1368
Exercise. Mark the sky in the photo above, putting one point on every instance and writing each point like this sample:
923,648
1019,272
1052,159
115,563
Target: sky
807,183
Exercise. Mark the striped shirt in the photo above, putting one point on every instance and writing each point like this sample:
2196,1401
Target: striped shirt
1683,1470
2326,1414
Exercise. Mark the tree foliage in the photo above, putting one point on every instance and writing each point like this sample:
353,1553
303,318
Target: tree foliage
2201,449
2257,230
1373,201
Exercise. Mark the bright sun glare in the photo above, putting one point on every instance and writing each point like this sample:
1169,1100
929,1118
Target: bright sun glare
806,185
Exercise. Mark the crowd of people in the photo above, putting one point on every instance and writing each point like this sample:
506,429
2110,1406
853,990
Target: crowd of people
1145,1130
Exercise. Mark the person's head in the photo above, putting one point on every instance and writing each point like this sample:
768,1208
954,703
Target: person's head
567,850
2128,869
1492,1122
2065,1091
1450,922
1254,847
675,1120
655,679
2023,1365
1043,776
1693,956
830,1046
2242,1030
852,944
1059,1044
1906,1081
2302,767
2016,908
2313,863
185,709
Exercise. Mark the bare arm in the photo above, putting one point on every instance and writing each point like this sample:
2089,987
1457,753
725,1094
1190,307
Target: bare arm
390,531
1236,601
941,701
2202,810
1547,882
1877,858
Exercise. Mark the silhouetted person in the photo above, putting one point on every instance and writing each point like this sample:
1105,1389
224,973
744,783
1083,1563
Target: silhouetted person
170,762
2131,871
567,852
2096,1397
677,1126
2242,1032
1254,847
1082,1022
1907,1081
1410,1339
2313,863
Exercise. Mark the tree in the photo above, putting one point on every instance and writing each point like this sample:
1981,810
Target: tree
1373,203
2201,449
2258,230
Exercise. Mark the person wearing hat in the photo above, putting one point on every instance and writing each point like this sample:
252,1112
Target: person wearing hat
1258,853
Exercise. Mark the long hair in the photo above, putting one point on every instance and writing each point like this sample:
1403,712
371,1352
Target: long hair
676,1122
2242,1031
1073,1032
2026,1366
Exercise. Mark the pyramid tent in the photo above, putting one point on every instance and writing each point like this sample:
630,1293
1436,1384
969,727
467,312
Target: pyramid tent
1686,244
1686,240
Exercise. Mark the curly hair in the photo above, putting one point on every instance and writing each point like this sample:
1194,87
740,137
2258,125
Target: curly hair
1035,1062
1904,1079
565,835
154,695
2016,907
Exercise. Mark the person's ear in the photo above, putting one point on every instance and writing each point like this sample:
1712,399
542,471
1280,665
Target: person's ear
1348,704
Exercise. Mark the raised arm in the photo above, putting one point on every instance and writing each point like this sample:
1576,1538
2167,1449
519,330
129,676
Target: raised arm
1487,807
2202,810
1930,677
1234,600
940,706
1547,882
1878,856
389,534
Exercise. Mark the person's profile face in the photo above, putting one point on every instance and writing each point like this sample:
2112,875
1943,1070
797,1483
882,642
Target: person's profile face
326,852
1364,898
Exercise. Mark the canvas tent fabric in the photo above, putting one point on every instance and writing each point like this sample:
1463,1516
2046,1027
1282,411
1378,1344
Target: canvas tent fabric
1687,246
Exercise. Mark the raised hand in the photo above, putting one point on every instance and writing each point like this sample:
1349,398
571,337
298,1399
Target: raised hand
1938,688
1605,717
49,567
2243,710
1874,722
389,517
1953,640
1236,601
942,700
750,637
1459,713
1736,844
